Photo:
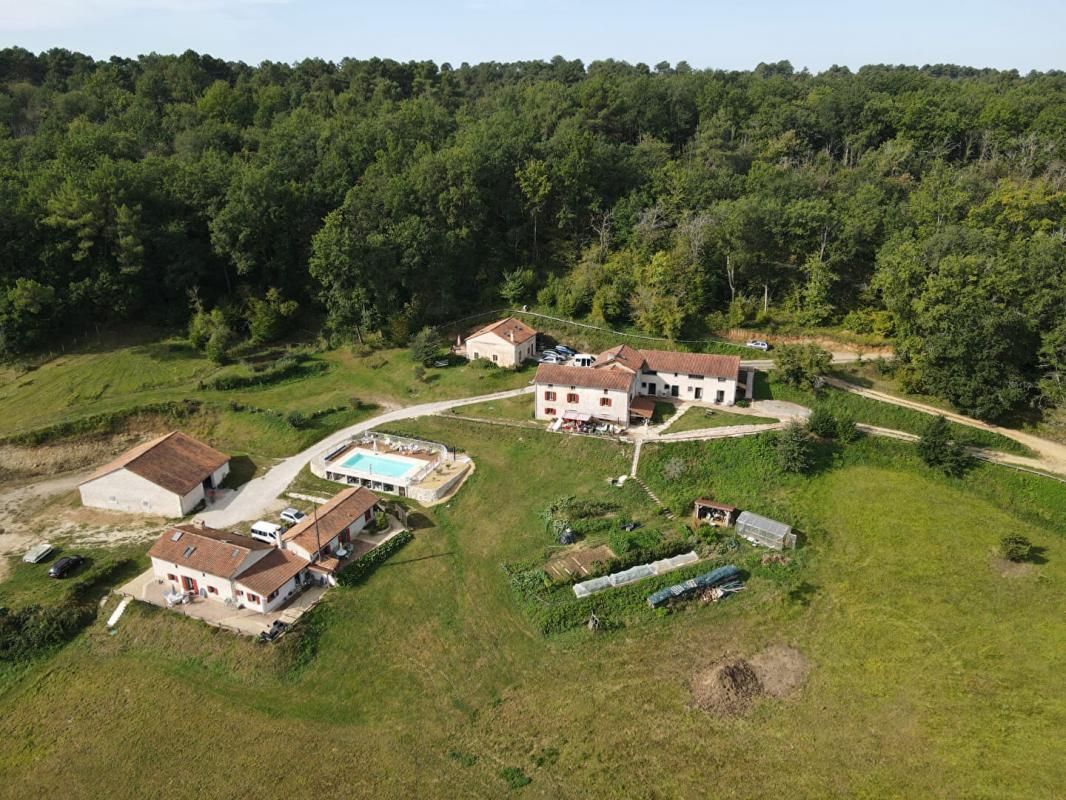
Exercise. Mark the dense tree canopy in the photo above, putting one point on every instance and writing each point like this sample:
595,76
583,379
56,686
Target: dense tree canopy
928,204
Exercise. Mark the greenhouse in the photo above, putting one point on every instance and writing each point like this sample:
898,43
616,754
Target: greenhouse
764,531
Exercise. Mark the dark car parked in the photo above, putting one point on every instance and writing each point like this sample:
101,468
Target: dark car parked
64,566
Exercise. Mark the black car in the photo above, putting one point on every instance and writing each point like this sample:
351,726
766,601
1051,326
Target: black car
65,566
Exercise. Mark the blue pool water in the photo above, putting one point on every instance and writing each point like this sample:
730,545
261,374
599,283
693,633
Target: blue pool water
378,465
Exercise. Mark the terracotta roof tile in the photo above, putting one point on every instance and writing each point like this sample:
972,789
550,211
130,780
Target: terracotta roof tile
204,549
692,363
342,510
176,462
621,356
271,572
585,377
504,328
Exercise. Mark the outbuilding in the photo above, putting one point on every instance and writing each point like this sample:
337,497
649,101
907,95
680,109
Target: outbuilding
168,476
506,343
708,512
765,531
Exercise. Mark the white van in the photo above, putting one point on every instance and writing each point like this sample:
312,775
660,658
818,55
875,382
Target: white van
267,532
583,360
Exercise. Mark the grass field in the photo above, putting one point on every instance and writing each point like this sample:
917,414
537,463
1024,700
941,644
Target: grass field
516,409
933,674
698,418
874,412
115,376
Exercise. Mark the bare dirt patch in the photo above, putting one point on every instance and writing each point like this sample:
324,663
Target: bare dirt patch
577,562
731,687
19,462
1012,569
50,511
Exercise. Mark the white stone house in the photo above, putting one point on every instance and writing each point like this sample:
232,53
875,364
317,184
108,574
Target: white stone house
168,476
506,343
580,393
622,383
238,570
227,567
330,527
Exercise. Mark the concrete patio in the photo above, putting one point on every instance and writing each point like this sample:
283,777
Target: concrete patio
149,589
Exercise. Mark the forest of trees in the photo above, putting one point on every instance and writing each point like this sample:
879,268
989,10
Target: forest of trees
928,205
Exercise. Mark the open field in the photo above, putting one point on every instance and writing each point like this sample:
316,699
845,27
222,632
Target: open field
932,672
117,376
516,409
883,415
697,418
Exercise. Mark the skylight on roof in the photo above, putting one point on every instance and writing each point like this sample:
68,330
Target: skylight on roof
176,535
189,551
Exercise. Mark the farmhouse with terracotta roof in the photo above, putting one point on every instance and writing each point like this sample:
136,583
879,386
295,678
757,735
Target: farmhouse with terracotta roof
506,343
199,563
622,384
168,476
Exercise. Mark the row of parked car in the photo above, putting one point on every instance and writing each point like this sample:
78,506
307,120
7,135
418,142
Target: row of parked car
62,566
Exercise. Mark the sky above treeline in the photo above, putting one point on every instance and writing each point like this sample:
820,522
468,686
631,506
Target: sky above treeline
1022,34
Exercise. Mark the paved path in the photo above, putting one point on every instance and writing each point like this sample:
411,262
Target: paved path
260,496
1052,454
839,357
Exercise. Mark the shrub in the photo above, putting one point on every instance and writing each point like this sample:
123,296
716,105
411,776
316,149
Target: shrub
424,345
1015,548
361,568
793,448
515,778
297,419
846,430
801,364
822,423
938,450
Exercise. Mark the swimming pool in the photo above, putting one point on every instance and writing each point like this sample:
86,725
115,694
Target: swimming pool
384,466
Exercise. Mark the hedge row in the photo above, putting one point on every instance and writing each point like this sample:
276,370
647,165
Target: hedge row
31,631
107,422
360,569
287,367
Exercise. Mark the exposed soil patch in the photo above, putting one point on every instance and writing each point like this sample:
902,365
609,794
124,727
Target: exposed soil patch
577,562
1012,569
731,687
50,511
54,458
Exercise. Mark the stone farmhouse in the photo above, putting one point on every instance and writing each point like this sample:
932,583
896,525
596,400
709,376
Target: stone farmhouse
622,384
506,343
203,563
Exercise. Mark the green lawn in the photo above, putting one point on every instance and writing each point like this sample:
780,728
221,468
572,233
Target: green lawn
932,674
336,388
516,409
697,418
874,412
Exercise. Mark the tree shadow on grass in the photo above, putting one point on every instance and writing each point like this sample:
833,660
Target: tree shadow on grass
1037,555
416,521
241,470
803,593
445,554
168,351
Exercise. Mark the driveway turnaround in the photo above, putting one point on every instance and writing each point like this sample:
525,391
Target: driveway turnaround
258,497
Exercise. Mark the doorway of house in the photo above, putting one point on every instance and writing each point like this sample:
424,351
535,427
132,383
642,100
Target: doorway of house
719,396
675,391
189,584
699,393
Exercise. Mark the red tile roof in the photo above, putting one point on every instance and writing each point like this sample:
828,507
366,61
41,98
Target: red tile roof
176,462
218,553
642,407
692,363
506,329
342,510
585,377
272,571
621,356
